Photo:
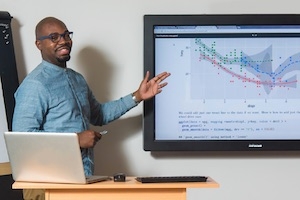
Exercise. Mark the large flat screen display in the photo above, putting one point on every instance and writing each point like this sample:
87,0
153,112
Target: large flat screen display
234,83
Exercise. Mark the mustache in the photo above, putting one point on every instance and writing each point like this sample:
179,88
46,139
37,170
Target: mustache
65,46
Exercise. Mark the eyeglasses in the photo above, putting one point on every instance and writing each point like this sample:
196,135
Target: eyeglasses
55,37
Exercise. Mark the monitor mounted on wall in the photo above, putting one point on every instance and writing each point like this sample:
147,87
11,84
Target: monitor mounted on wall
234,83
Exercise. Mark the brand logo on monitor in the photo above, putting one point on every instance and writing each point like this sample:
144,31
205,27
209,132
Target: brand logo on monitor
255,145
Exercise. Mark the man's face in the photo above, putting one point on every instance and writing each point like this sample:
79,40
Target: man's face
58,52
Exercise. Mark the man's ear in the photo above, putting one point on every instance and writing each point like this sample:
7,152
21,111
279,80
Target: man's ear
38,44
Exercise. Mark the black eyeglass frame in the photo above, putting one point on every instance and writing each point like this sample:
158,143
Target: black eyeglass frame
70,34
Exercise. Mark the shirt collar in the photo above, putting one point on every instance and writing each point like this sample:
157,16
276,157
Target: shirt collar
52,66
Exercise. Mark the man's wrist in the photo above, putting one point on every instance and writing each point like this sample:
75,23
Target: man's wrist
135,99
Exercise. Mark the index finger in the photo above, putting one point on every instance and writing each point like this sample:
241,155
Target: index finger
98,135
162,76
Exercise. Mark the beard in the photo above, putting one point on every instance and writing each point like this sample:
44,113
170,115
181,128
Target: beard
63,59
63,53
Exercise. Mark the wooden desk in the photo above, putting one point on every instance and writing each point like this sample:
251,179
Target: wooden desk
5,168
109,190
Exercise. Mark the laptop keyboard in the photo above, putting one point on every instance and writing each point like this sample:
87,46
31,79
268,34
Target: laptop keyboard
171,179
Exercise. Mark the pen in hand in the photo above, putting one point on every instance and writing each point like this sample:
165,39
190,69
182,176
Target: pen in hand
98,138
103,132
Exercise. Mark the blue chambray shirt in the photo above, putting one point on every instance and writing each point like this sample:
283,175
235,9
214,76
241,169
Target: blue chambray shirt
55,99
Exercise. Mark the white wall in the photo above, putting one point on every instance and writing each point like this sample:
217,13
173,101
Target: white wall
108,50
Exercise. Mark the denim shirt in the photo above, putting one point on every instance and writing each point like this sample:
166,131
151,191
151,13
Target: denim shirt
55,99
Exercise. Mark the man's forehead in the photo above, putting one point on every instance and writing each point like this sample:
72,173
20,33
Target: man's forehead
53,28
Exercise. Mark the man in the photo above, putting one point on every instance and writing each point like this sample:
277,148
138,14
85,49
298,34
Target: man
55,98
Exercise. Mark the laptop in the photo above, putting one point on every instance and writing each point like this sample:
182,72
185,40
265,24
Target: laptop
47,157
